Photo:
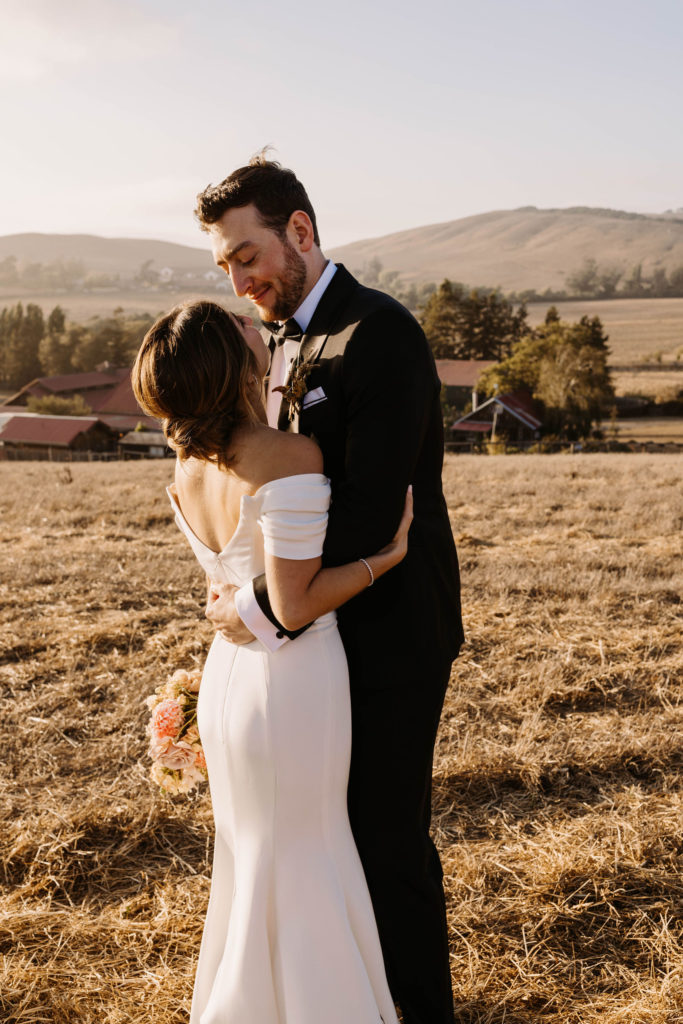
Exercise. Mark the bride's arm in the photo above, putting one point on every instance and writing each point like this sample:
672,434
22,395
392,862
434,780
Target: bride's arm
301,590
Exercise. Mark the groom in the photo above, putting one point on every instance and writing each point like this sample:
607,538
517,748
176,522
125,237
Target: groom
367,391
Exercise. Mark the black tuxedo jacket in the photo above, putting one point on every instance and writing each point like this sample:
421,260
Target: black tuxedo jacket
379,426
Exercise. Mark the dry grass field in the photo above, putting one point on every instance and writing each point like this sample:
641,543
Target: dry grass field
661,384
558,805
638,329
661,429
82,306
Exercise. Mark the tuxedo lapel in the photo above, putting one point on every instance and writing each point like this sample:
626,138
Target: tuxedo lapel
283,420
322,323
271,345
330,308
311,347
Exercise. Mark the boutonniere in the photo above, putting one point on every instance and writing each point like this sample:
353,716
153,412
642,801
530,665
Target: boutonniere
296,387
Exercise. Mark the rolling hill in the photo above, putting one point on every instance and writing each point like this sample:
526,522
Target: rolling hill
121,256
525,248
515,249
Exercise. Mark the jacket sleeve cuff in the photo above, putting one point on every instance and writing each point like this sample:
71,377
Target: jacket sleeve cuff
254,619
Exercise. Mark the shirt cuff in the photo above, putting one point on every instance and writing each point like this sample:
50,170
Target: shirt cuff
253,618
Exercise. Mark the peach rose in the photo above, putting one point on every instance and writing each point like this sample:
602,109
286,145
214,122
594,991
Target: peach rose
177,756
167,719
194,681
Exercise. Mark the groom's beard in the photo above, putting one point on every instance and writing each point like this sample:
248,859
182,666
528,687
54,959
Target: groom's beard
292,285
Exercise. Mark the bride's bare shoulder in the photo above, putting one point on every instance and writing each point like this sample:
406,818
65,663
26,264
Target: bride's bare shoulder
285,454
295,454
300,454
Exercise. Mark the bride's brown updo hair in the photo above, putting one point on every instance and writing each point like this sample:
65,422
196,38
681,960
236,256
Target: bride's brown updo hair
196,373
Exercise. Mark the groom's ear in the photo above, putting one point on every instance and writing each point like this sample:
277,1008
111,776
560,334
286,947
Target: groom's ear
300,227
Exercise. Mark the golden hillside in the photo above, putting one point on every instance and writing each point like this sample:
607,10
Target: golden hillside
525,248
515,249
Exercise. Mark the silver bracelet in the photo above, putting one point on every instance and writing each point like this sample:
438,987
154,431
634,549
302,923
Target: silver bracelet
369,568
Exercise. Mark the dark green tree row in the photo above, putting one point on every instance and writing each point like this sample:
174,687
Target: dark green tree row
31,346
593,281
563,366
463,324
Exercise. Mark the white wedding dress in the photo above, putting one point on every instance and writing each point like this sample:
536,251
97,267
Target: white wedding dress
290,936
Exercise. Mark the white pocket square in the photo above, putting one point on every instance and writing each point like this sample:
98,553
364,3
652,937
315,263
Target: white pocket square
313,397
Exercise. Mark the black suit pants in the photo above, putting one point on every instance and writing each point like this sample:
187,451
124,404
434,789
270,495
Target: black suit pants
394,730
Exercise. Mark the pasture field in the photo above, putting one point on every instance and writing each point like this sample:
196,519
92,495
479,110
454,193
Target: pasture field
647,428
557,799
638,329
83,306
658,383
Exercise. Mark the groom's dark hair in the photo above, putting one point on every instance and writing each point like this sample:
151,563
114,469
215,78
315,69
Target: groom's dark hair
275,191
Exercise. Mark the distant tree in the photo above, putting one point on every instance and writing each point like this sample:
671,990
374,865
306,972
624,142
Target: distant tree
111,338
134,329
95,279
585,280
634,285
31,275
62,273
86,348
56,322
371,272
410,297
145,275
413,295
462,324
659,284
21,332
6,327
53,405
56,348
388,280
608,279
440,318
676,281
114,340
563,366
8,271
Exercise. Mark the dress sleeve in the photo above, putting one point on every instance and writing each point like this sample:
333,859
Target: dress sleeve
293,516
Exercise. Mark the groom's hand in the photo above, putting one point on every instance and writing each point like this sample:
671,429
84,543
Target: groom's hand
222,614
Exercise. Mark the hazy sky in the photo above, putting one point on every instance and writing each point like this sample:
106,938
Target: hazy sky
114,113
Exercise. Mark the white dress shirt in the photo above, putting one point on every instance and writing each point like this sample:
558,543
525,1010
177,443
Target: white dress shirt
245,602
284,354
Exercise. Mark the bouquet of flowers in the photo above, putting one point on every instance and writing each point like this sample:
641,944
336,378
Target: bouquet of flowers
174,744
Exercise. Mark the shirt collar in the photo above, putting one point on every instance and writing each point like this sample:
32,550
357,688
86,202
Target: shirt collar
304,313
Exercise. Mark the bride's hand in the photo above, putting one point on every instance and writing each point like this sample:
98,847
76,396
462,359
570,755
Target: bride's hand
221,612
396,549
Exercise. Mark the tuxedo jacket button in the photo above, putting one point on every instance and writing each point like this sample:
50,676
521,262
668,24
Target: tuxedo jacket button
280,634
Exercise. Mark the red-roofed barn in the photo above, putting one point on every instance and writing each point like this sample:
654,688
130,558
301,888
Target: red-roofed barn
38,435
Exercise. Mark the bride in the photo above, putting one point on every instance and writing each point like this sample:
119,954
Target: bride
290,936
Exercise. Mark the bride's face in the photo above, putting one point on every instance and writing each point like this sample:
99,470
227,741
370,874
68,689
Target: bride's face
255,342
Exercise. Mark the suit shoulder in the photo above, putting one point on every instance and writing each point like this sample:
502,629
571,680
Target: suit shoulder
372,301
